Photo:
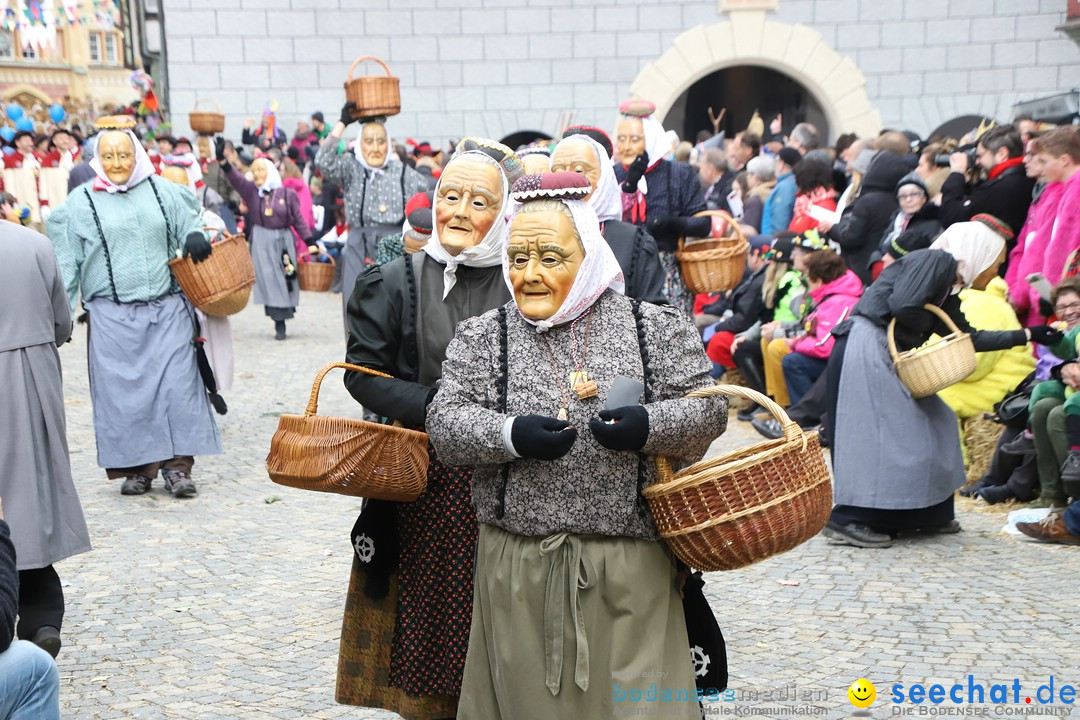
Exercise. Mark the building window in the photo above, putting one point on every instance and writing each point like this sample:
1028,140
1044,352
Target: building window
7,45
110,49
95,48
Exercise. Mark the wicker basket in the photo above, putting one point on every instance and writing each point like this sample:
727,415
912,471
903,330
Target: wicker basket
715,264
206,123
316,276
747,505
374,94
347,456
221,284
926,370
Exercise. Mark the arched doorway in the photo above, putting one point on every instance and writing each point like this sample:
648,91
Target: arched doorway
748,38
517,139
743,89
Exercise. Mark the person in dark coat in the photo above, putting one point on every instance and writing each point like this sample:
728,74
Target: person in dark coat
632,245
738,312
28,674
1006,193
862,226
914,226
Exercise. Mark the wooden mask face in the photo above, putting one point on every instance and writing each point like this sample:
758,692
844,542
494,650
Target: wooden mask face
545,257
468,202
117,154
373,144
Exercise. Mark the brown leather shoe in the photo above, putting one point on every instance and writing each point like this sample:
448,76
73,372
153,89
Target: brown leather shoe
1050,529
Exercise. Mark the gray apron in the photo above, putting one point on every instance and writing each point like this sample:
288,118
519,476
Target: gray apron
149,400
267,247
362,247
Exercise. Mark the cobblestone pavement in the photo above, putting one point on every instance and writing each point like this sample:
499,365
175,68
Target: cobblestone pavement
228,605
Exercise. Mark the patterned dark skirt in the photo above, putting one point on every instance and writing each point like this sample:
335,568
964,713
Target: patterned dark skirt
406,652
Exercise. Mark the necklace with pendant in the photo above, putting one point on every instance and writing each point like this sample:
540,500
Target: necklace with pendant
579,380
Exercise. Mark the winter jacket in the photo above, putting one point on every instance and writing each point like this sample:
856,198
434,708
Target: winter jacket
1065,237
869,217
802,220
833,303
780,206
306,210
1007,196
997,372
789,291
1030,252
922,228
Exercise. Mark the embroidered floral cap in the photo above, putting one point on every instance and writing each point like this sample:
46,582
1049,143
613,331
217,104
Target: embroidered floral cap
115,122
563,185
637,107
508,161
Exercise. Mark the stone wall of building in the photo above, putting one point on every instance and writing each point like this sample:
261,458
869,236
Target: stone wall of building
493,67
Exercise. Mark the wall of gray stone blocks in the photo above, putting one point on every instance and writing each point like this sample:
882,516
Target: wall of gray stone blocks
492,67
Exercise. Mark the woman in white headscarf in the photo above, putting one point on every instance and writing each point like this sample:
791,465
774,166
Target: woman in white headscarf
897,460
634,248
575,594
273,212
658,194
412,574
114,239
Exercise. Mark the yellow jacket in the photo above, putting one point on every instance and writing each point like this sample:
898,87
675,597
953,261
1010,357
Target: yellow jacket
997,372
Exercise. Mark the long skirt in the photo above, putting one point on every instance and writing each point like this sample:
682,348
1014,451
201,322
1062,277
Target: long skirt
675,289
406,652
149,401
574,626
268,246
217,331
890,451
40,500
360,253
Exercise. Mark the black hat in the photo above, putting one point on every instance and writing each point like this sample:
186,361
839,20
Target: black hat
913,179
420,220
167,138
790,156
317,115
782,245
594,132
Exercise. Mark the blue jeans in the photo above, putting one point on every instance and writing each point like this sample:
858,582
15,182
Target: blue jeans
29,683
1072,518
800,372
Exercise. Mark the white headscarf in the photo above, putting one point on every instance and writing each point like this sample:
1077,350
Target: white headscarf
606,198
142,170
974,245
359,152
598,272
489,252
273,177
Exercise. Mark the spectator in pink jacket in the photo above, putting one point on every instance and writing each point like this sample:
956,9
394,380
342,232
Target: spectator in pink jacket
1028,255
833,291
1059,151
292,178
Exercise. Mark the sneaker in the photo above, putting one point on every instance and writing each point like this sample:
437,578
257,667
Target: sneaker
749,413
48,639
1020,445
135,485
857,535
1050,529
769,427
994,494
179,483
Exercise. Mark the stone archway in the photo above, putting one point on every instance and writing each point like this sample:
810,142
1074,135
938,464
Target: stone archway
749,39
25,95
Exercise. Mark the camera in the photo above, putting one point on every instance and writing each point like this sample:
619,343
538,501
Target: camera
969,150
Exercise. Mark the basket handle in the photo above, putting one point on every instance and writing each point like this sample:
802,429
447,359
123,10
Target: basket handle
313,402
328,256
718,213
216,104
361,59
942,315
792,431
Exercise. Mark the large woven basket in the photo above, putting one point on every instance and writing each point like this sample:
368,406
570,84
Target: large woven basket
747,505
715,264
316,276
373,94
926,370
345,455
221,284
206,123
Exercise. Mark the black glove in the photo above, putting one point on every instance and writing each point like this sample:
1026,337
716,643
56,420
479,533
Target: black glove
629,431
197,246
667,226
542,438
634,173
347,113
219,148
1046,308
1045,335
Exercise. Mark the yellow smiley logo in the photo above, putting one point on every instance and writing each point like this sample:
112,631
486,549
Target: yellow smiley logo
862,693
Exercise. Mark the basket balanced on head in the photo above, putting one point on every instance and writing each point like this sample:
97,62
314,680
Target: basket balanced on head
374,95
715,264
926,370
316,276
747,505
347,456
206,123
221,284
